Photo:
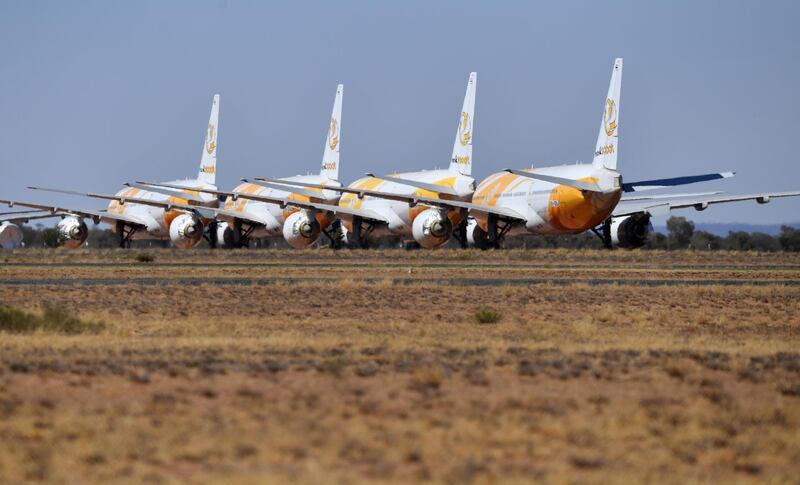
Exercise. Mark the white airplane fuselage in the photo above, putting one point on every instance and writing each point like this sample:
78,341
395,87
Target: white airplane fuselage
549,208
272,214
157,219
399,214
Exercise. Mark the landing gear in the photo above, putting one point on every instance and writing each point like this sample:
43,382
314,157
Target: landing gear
125,234
460,233
498,228
211,234
361,231
334,234
604,233
240,236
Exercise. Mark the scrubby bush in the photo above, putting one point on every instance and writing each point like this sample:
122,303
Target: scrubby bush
145,258
53,319
487,316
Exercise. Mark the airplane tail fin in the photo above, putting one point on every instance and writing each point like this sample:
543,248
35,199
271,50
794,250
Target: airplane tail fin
461,162
605,154
208,161
330,157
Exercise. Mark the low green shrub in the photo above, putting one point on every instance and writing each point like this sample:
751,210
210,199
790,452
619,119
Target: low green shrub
53,319
145,258
487,316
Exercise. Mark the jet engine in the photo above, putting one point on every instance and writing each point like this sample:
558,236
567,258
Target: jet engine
10,236
476,236
631,231
224,234
186,231
301,229
72,232
431,228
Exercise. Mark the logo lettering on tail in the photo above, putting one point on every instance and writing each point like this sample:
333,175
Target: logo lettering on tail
610,117
209,169
465,129
211,140
333,134
606,150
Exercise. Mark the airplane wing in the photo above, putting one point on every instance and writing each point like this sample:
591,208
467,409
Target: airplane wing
23,218
96,216
167,206
245,216
280,185
662,206
673,182
413,200
184,193
628,198
420,185
282,202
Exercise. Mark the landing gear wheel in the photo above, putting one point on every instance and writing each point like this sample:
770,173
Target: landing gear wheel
211,234
604,233
460,233
361,231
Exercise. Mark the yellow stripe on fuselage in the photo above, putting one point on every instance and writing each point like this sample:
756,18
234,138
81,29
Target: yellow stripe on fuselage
413,212
488,193
352,201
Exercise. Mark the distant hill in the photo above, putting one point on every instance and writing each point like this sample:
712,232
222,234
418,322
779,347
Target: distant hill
723,228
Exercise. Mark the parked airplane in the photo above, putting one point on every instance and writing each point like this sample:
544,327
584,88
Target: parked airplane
567,199
571,199
273,208
10,232
395,204
179,214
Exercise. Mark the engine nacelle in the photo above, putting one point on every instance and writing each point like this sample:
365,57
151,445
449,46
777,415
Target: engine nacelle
186,231
10,236
632,231
224,234
72,232
476,236
301,229
431,228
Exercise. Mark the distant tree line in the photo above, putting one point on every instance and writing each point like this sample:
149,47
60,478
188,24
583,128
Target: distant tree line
681,234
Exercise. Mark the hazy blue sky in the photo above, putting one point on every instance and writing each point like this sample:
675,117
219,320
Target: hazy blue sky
98,93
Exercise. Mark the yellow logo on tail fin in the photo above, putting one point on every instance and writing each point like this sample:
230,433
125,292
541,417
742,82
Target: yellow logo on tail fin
610,117
333,134
465,129
211,139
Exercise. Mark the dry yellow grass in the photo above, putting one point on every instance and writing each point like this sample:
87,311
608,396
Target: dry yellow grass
351,381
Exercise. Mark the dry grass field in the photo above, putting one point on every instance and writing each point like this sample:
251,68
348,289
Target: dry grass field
392,366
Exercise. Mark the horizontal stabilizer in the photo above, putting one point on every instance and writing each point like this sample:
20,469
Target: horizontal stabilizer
578,184
673,182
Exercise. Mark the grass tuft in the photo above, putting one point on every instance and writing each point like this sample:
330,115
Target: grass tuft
53,320
487,316
145,258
